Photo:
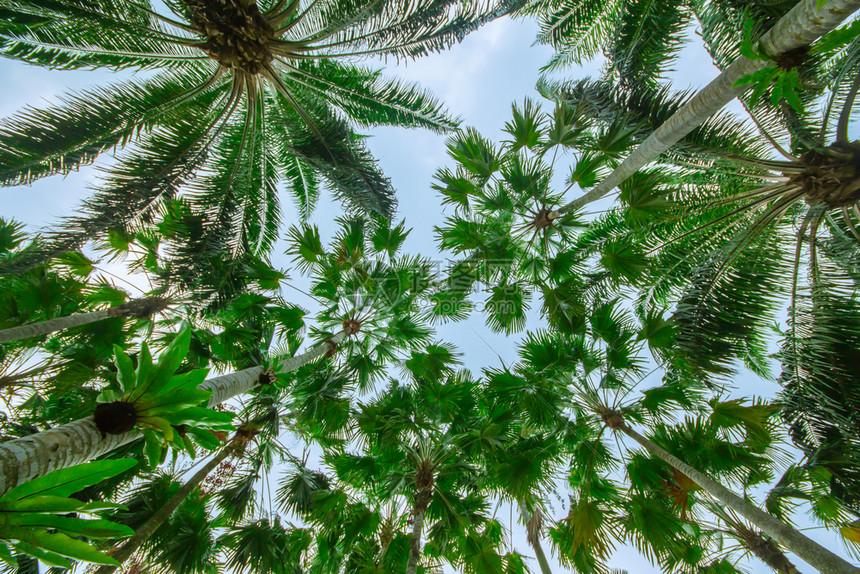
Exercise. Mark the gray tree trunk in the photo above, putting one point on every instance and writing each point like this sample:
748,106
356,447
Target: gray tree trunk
155,521
415,542
541,557
26,458
800,27
808,550
133,308
534,529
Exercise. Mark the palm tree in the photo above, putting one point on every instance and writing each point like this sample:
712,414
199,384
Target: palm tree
162,509
639,40
763,547
235,446
25,458
819,399
616,418
185,542
500,230
602,370
804,24
368,289
145,531
139,308
246,95
265,546
413,451
727,226
814,554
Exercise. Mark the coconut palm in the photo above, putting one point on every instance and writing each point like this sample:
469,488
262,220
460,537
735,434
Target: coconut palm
640,40
245,96
804,24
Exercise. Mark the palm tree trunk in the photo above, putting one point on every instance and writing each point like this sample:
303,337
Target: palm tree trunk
149,527
534,527
801,26
415,542
419,509
135,308
541,557
26,458
808,550
765,549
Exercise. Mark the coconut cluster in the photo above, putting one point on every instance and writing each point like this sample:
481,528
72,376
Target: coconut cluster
831,178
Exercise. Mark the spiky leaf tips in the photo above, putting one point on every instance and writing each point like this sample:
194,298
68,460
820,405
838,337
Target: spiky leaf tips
506,227
167,407
368,290
246,94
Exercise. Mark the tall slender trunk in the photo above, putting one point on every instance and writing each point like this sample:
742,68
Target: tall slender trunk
423,495
808,550
800,27
415,542
541,557
26,458
135,308
534,527
155,521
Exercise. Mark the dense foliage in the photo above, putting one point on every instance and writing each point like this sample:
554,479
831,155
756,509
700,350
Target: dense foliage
211,425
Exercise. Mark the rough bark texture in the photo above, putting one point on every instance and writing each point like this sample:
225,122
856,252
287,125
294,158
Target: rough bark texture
424,483
801,26
26,458
808,550
155,521
765,549
422,501
231,385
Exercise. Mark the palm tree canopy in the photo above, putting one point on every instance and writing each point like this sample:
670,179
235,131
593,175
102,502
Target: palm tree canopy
243,96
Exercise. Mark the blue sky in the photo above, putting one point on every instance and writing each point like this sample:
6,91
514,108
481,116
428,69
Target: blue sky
479,79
